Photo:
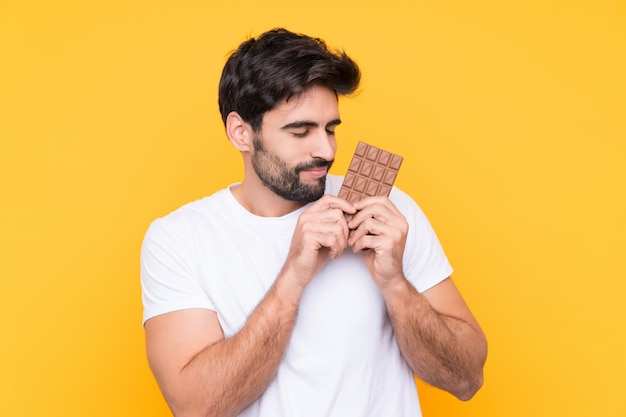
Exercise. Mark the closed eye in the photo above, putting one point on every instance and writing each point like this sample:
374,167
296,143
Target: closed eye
296,127
330,127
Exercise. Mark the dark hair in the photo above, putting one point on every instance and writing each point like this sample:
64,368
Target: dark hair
277,65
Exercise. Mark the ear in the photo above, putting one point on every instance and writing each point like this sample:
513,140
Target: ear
239,132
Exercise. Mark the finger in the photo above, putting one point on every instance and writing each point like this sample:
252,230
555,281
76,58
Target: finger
365,228
378,202
366,242
331,216
378,213
325,222
329,201
332,235
334,242
377,239
375,227
375,200
336,219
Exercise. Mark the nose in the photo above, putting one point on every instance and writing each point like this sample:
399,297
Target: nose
325,146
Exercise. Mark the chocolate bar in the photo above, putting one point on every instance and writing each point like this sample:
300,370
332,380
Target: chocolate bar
372,172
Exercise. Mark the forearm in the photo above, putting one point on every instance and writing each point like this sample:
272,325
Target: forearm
444,351
228,376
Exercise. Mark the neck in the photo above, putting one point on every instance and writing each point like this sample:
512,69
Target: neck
261,201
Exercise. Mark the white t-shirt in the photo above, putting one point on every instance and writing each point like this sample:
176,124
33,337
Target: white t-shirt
342,359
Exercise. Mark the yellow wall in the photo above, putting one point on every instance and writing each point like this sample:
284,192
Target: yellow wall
511,117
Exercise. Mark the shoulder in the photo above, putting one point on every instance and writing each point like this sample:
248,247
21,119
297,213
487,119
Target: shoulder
203,207
405,203
187,218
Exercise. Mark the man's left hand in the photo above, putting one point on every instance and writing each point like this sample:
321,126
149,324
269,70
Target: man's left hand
379,230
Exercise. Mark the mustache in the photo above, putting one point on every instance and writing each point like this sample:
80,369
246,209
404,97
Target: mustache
315,163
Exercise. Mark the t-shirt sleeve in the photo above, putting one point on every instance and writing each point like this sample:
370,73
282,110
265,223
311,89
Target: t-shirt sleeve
425,263
168,270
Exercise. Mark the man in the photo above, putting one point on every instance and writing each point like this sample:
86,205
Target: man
265,300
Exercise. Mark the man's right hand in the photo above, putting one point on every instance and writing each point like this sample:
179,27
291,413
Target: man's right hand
321,232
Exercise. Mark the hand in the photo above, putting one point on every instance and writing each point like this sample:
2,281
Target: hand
379,230
321,232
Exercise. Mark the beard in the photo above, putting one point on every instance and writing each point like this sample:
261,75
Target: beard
284,180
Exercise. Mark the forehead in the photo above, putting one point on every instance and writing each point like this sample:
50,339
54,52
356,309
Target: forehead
317,104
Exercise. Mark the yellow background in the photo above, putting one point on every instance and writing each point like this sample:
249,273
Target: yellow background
510,116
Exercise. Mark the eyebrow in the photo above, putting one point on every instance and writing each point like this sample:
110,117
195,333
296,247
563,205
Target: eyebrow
308,123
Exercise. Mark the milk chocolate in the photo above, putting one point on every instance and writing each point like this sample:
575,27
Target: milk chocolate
372,172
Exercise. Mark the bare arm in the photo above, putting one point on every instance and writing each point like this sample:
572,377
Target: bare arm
203,374
437,333
438,336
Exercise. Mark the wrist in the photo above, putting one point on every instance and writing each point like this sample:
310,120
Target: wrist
287,288
395,287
